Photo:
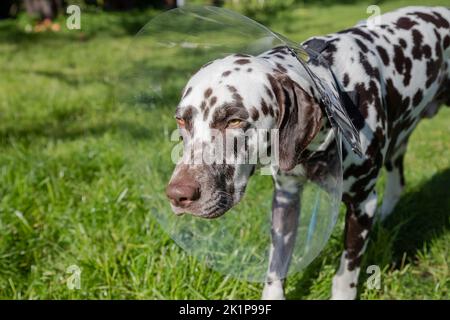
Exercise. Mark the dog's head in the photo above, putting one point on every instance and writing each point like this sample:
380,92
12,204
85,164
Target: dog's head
226,118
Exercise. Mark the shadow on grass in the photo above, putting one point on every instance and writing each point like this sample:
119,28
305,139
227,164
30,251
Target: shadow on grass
420,216
302,284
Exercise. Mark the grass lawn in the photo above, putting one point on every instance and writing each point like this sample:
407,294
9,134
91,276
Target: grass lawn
69,197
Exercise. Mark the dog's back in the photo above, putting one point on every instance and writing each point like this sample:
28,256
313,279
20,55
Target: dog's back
397,71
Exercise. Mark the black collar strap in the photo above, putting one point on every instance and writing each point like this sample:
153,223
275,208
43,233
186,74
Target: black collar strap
342,110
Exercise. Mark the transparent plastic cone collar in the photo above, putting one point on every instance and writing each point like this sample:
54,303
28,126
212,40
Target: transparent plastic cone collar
162,58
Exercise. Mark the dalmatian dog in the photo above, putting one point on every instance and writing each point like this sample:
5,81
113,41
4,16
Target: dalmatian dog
390,76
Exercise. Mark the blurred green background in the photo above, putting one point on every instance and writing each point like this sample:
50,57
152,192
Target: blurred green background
67,196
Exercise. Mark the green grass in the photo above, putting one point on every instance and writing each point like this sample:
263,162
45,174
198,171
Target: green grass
69,196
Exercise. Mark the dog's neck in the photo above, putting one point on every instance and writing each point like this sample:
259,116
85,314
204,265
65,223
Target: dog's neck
284,60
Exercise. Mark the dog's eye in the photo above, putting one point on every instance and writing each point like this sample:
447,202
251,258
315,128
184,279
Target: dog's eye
235,123
181,122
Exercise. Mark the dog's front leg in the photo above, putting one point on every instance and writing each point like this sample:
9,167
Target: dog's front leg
358,223
285,213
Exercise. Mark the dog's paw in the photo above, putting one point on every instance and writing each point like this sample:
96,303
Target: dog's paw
348,294
344,286
273,291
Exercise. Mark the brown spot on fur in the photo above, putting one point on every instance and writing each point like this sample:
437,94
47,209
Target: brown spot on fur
276,89
405,23
370,70
434,65
205,114
367,97
208,93
383,55
235,95
271,112
212,101
242,61
254,113
269,93
279,49
402,64
264,107
362,45
427,51
446,41
238,98
417,98
359,32
187,116
232,88
346,80
417,50
395,99
226,73
403,43
435,19
281,68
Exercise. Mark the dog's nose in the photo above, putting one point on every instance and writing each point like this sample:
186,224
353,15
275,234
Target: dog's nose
183,194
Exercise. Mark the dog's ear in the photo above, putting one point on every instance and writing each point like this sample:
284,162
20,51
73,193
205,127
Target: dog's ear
299,121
